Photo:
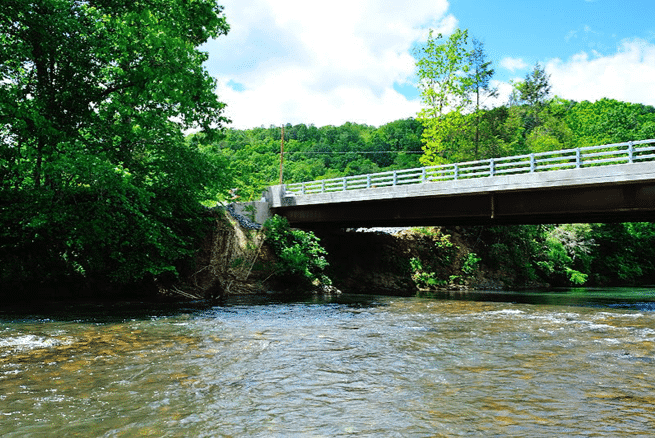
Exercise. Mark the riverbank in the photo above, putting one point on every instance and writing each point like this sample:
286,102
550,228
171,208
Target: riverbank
413,260
235,259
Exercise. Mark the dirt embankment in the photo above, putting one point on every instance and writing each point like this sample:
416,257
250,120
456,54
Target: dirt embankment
402,263
234,260
231,260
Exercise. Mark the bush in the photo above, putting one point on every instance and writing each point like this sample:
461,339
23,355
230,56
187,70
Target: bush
300,256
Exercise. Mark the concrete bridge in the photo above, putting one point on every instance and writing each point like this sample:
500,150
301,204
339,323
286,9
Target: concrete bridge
609,183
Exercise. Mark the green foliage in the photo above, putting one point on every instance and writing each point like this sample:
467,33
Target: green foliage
446,250
576,277
442,71
317,153
624,253
533,255
445,264
442,68
423,279
512,250
470,263
534,91
609,121
300,255
98,184
453,79
558,257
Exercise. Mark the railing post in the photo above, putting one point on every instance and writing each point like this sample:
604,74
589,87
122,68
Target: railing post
395,178
578,160
455,171
631,152
323,186
368,181
424,174
492,167
303,188
345,184
533,164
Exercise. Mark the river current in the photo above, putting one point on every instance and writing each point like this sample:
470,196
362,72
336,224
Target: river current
570,363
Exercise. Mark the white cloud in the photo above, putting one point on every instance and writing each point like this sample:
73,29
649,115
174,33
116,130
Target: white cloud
290,61
626,75
513,64
504,90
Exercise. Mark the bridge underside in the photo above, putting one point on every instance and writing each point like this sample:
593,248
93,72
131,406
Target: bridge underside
625,202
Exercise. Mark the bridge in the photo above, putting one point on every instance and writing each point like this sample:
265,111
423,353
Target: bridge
608,183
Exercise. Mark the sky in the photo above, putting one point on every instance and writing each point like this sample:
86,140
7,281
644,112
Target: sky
327,63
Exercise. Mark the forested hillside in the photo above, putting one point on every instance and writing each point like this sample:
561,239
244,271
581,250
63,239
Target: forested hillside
332,151
315,153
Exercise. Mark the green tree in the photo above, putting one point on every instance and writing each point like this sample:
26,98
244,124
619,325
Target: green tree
99,184
402,138
444,84
534,91
454,82
609,121
536,118
300,257
624,252
481,74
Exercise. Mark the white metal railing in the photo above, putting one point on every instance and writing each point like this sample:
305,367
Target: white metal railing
618,153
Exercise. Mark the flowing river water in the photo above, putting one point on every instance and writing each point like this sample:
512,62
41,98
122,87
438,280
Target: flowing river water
569,363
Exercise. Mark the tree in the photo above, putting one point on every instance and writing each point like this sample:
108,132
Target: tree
442,69
534,91
624,253
402,138
537,118
98,182
444,85
609,121
300,256
481,74
454,80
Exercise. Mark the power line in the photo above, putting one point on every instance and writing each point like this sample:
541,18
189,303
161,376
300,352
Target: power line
355,152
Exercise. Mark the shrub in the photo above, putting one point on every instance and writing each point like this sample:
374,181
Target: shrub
300,256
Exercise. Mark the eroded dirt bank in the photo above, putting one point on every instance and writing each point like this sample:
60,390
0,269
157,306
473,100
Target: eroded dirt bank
235,260
407,261
232,260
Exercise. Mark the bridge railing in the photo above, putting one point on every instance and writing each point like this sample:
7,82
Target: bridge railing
618,153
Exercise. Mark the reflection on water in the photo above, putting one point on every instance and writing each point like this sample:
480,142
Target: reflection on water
364,366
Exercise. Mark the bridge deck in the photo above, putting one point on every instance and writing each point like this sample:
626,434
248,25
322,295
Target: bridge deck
624,192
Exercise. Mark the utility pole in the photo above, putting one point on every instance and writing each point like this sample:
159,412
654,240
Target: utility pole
282,155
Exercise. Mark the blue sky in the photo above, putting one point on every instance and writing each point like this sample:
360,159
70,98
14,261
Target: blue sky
291,61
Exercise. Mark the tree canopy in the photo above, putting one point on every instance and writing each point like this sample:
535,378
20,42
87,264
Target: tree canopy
454,77
318,153
98,181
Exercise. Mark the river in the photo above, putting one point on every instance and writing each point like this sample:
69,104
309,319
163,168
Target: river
579,362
